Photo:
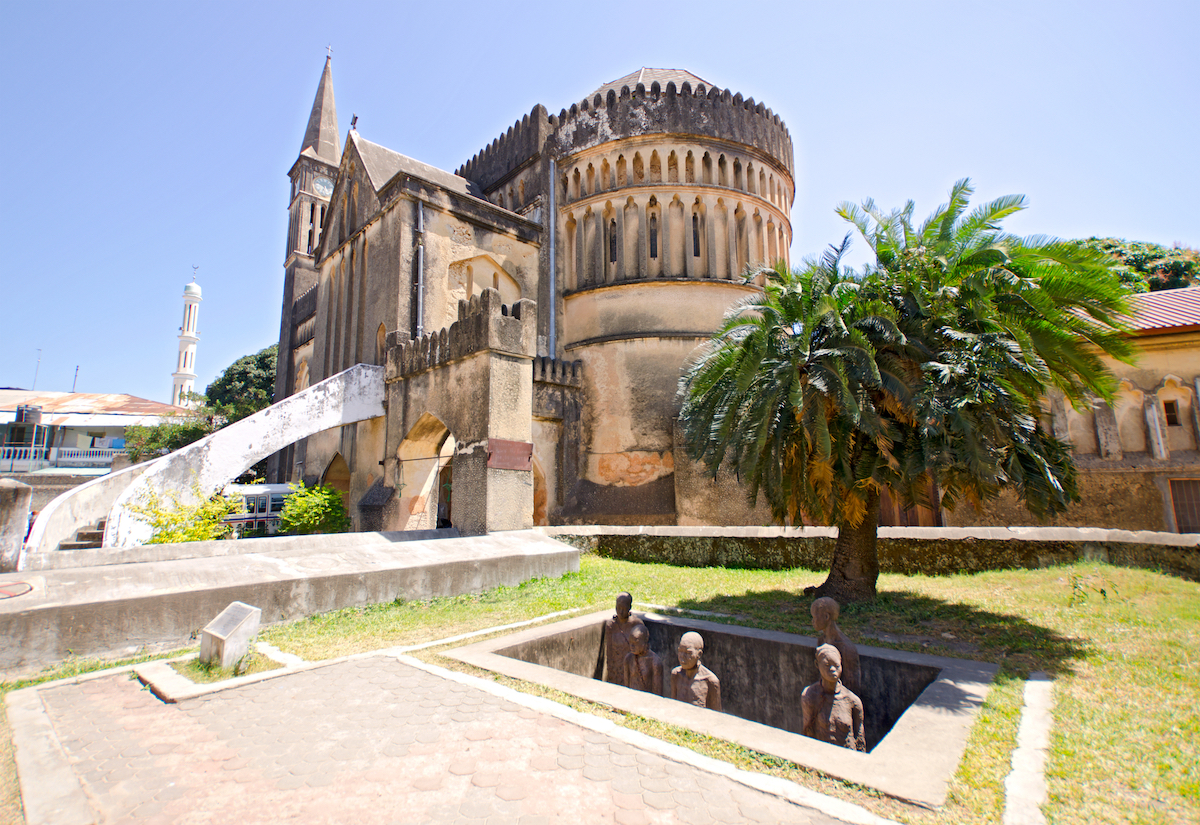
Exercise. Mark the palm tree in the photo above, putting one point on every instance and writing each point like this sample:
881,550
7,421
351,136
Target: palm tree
930,365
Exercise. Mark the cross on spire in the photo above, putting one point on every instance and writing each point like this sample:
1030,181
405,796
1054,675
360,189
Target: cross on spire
329,51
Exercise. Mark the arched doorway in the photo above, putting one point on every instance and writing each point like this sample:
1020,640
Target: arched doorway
337,475
425,475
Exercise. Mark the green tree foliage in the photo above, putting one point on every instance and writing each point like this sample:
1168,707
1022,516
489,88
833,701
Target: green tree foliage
310,510
143,442
173,521
929,365
245,386
1149,266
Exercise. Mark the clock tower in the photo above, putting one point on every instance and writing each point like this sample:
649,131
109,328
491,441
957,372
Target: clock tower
312,177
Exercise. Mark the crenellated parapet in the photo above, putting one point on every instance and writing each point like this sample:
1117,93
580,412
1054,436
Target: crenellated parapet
523,140
685,110
547,370
484,323
305,306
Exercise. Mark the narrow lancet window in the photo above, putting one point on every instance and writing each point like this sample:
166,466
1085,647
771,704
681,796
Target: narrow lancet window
653,236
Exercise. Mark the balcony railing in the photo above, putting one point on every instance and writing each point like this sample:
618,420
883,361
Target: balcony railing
24,459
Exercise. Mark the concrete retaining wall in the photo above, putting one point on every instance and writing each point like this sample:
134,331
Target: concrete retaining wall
14,521
118,608
928,550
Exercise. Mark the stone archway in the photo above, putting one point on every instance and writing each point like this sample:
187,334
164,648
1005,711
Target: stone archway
424,458
337,476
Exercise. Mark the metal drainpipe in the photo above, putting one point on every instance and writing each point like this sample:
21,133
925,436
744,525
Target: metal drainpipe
552,217
420,269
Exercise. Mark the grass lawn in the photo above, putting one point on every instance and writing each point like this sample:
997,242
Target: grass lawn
1122,645
203,674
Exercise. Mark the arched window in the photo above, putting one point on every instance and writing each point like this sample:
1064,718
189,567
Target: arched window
654,236
695,235
612,242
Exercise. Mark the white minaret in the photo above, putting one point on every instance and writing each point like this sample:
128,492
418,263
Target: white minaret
185,372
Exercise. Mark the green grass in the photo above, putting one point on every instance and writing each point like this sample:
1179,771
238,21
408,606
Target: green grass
1122,645
203,674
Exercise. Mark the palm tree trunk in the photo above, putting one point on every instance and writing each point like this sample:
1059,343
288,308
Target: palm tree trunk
855,566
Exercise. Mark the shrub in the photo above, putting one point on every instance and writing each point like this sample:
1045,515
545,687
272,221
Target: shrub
173,521
313,510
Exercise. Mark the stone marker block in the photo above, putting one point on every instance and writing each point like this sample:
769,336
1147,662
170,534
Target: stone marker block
15,498
227,638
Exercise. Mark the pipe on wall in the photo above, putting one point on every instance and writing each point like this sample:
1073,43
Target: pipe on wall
420,269
552,219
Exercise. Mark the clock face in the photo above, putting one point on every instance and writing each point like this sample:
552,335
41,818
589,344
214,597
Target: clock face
323,187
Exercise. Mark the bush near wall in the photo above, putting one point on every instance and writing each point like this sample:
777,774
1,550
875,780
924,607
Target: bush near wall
931,551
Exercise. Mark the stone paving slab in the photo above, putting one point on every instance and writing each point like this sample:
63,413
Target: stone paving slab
377,739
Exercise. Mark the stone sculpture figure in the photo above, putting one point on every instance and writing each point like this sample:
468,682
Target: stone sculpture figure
824,617
616,639
831,712
643,668
692,682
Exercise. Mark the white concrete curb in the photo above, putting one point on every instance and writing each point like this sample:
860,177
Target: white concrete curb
1025,786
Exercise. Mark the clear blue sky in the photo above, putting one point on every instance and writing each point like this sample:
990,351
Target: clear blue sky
145,138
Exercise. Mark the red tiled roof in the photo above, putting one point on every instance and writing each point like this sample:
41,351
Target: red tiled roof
1167,311
86,402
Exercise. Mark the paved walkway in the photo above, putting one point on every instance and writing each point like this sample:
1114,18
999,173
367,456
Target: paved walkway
379,739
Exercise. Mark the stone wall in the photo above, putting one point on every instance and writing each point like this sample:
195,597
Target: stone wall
1130,499
928,550
46,488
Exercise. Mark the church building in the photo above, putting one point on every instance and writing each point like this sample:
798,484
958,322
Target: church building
586,254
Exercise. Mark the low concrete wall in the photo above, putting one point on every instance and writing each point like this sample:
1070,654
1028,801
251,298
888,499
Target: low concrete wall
100,557
46,488
14,521
929,550
116,609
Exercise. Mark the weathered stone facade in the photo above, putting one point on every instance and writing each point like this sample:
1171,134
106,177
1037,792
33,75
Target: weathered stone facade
616,233
1138,459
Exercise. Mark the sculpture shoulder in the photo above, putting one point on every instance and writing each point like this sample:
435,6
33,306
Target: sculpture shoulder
850,695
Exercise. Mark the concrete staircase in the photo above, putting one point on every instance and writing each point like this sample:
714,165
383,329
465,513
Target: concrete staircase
89,538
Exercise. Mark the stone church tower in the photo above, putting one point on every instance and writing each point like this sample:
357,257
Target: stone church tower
630,221
312,177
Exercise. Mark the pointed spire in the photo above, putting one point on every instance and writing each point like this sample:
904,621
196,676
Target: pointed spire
321,137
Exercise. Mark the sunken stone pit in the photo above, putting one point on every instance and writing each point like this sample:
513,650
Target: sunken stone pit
918,709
